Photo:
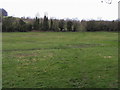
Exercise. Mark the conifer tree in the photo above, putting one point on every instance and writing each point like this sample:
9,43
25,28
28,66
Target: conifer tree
45,23
61,24
37,24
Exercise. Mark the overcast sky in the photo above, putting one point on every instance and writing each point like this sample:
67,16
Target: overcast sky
81,9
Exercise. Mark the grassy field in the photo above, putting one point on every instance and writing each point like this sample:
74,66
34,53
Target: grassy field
60,60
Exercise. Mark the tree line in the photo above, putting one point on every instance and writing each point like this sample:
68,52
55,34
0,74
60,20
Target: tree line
13,24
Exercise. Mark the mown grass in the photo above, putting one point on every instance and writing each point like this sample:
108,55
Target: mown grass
60,60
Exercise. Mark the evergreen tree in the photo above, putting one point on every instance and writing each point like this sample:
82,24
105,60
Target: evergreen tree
9,24
61,24
91,25
51,25
37,24
22,26
69,26
45,23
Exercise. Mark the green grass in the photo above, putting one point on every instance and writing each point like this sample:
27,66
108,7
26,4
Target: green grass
60,60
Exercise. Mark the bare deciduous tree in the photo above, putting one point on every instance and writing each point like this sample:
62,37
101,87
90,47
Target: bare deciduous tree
107,1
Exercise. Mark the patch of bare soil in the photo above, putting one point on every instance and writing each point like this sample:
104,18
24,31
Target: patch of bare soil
25,55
